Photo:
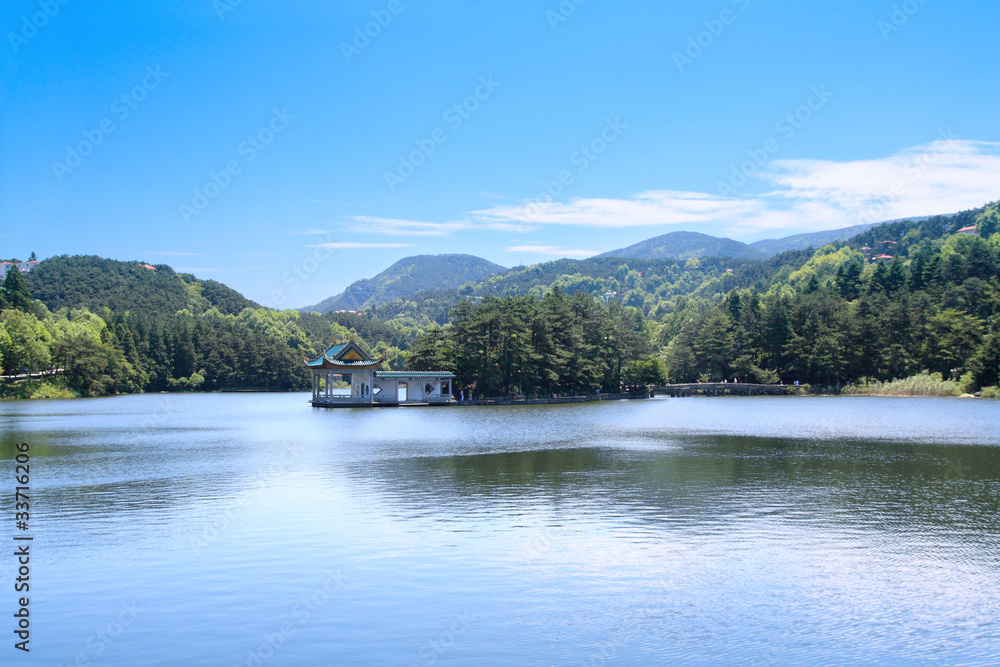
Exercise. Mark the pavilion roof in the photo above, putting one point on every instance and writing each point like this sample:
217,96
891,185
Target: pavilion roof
344,356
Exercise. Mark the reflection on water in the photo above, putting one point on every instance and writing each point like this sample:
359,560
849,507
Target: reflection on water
257,530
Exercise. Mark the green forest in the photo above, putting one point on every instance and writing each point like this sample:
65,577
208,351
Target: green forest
911,299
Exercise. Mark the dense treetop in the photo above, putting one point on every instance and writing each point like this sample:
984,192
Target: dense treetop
896,300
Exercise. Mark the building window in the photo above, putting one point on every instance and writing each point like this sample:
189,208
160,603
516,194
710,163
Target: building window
428,389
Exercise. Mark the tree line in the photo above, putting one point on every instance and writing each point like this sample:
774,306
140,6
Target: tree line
845,313
527,346
846,320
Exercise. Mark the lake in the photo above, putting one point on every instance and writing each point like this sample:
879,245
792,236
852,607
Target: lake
252,529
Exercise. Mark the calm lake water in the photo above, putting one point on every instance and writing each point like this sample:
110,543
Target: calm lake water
256,530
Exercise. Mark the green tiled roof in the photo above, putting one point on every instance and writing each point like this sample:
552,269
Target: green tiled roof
335,350
402,375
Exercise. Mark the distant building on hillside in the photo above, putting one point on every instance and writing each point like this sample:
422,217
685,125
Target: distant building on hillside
23,267
885,259
347,376
971,229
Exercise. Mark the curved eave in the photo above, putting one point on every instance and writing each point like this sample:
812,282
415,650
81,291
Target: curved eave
332,365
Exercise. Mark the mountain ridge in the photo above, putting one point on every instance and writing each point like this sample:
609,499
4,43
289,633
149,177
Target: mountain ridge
398,281
409,276
686,245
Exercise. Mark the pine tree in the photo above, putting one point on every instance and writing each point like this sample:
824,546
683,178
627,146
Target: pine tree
15,292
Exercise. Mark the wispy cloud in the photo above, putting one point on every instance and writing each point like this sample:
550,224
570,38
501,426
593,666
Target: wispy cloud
940,177
393,226
551,250
311,232
350,245
167,253
199,269
491,195
658,207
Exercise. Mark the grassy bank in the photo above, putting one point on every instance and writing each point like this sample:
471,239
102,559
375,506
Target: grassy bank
925,384
36,389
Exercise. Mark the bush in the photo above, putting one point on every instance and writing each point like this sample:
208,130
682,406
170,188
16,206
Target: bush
46,389
925,384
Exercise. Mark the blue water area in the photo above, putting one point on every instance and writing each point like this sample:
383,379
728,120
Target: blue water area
226,529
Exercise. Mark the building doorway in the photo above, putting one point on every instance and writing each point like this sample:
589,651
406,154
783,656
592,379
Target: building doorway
401,393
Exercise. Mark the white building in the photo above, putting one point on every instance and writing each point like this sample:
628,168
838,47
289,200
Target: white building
346,376
23,267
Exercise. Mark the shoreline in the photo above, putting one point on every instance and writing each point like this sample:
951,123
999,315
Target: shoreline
511,400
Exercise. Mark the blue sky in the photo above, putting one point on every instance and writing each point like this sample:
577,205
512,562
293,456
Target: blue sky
288,149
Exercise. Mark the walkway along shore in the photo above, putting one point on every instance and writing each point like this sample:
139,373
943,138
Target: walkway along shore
552,400
678,390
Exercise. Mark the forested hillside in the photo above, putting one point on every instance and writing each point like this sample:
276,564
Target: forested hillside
846,313
409,275
896,301
121,327
95,283
685,245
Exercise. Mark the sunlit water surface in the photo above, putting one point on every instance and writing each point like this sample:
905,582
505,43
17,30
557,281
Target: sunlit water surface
253,529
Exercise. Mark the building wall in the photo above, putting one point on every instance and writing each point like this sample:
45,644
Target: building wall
415,389
23,267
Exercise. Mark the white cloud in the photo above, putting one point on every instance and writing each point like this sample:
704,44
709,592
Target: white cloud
350,245
175,254
657,207
367,224
552,250
941,177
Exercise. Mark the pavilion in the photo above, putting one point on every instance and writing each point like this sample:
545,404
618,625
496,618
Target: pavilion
347,376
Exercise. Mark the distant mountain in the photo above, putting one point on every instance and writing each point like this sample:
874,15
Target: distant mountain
91,282
408,276
771,247
684,245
